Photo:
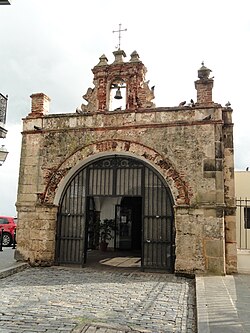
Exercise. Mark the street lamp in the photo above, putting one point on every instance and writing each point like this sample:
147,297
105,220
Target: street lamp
4,2
3,109
3,154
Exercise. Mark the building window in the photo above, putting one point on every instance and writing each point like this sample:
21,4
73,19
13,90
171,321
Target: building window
247,217
4,221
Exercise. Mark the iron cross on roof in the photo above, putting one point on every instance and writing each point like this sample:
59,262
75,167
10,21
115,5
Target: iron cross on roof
119,36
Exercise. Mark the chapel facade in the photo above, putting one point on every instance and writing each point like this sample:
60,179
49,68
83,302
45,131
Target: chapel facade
163,175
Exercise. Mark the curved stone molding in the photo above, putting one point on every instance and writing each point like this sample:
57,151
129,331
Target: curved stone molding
178,186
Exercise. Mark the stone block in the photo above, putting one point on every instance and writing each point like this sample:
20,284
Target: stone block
22,234
27,197
38,234
219,180
48,225
37,224
33,245
214,248
209,164
209,174
231,249
218,150
210,212
191,264
23,215
47,213
216,265
47,246
181,211
19,256
187,229
186,246
220,197
212,227
208,196
230,231
219,164
29,189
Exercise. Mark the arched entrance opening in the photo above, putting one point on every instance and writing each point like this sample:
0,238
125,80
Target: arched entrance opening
127,191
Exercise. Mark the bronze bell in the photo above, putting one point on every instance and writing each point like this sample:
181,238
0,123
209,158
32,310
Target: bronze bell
118,94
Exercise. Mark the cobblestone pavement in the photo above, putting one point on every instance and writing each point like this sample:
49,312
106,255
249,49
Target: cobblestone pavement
60,299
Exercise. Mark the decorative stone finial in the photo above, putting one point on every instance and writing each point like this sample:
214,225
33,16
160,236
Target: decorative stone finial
103,61
119,54
204,86
204,72
134,57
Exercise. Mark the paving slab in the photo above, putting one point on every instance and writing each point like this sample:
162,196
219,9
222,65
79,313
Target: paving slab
223,304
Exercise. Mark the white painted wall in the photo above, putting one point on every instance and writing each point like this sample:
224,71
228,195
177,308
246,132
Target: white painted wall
242,184
243,261
242,191
106,206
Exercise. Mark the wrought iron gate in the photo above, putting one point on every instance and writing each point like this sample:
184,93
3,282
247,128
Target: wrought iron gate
117,176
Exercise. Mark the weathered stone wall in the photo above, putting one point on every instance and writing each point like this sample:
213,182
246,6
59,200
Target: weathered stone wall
36,234
183,139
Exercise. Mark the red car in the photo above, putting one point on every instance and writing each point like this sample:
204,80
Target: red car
8,227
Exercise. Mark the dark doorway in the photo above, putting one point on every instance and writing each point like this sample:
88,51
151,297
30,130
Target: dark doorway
129,224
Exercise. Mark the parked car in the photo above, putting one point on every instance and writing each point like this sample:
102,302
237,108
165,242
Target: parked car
8,227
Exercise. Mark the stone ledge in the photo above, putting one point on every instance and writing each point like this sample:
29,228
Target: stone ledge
13,269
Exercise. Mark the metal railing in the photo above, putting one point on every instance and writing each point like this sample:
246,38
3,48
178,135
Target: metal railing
243,223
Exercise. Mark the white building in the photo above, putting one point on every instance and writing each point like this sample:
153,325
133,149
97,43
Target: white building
242,192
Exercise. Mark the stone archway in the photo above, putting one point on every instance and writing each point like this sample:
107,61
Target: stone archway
179,187
117,178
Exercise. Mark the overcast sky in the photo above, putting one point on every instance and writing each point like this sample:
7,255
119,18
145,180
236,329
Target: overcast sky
50,46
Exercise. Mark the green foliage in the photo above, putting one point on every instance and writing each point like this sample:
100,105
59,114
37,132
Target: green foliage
106,228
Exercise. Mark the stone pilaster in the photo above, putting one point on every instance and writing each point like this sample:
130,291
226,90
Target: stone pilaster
230,210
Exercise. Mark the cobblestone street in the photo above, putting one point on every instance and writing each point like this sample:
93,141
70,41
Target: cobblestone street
74,300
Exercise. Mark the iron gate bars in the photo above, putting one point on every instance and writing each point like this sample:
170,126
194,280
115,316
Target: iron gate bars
117,176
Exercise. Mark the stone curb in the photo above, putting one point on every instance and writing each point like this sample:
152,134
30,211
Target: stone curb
201,306
13,269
